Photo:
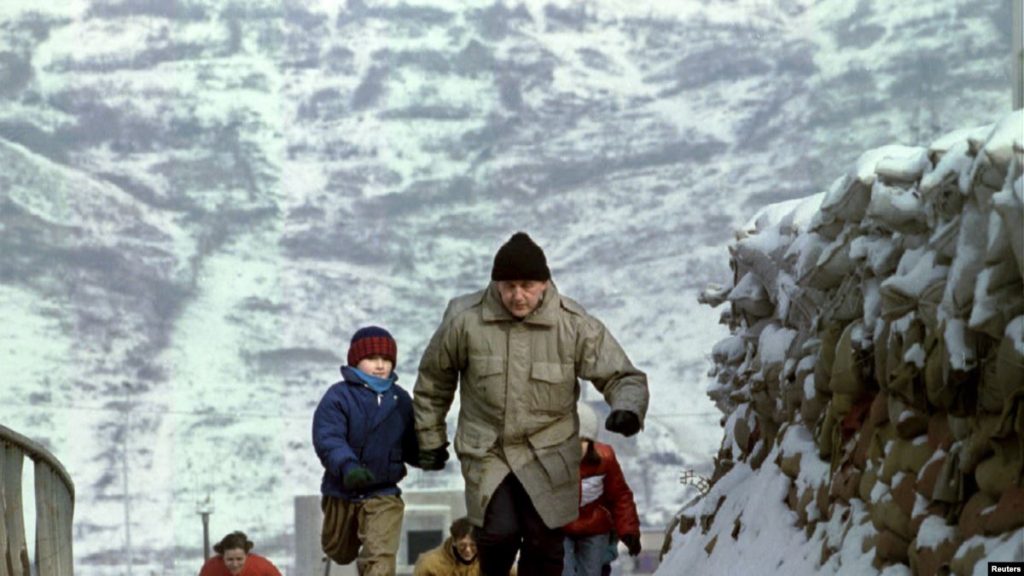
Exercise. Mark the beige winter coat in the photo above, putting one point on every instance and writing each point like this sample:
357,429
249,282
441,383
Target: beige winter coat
518,395
441,561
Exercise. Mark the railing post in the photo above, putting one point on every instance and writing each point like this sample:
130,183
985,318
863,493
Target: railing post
54,508
14,519
1017,56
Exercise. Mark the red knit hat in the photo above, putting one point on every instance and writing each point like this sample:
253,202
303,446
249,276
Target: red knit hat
369,341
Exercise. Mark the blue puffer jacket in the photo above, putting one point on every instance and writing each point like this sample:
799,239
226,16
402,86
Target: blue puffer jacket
355,426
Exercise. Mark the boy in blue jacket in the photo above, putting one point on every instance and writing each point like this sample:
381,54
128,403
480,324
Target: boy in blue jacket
363,434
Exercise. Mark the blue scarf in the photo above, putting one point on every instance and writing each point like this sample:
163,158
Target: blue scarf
378,385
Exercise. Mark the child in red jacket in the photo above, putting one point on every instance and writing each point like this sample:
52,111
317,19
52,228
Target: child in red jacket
606,505
234,558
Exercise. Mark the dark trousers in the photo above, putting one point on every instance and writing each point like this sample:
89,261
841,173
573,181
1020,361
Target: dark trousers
512,524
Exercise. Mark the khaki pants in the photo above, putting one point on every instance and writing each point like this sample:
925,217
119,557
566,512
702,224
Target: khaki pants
369,530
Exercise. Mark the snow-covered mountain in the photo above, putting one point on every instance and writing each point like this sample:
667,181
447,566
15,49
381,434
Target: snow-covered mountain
201,200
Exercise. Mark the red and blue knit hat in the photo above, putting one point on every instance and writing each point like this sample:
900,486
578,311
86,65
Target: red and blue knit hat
369,341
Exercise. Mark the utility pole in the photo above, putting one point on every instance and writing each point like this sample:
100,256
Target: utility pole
124,477
205,508
1017,56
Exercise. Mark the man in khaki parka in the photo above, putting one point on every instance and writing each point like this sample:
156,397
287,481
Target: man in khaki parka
515,351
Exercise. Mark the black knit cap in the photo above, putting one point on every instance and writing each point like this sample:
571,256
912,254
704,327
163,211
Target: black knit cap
520,259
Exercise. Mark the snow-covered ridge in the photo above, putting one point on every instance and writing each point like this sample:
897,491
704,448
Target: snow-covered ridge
874,378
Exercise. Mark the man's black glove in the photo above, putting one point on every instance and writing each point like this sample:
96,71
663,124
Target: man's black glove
357,478
632,542
623,421
435,458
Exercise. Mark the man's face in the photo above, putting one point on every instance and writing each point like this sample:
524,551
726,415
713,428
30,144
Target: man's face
521,297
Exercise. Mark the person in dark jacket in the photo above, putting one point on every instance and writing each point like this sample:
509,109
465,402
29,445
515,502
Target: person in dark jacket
363,434
606,505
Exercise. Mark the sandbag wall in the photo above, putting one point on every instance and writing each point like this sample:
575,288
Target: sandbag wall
886,317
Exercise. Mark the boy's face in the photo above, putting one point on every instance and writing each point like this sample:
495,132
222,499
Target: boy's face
521,297
376,365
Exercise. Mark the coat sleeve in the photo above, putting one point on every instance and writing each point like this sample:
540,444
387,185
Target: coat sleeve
436,382
330,430
620,497
600,359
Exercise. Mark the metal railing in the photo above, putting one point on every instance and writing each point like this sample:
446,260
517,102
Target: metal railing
55,504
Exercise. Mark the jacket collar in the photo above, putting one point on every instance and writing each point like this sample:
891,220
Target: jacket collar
545,315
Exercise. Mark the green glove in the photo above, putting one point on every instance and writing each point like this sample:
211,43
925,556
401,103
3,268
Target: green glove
357,478
434,459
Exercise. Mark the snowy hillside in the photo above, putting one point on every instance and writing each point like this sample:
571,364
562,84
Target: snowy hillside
200,201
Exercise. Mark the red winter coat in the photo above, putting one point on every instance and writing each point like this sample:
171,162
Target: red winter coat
255,565
614,508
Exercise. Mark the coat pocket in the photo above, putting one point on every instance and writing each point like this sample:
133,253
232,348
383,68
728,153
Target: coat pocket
552,387
486,379
561,463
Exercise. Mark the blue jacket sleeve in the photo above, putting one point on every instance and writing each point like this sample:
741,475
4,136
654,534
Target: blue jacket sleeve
410,441
330,430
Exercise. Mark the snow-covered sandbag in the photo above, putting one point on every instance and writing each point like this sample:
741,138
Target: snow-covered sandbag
946,143
730,350
847,199
940,187
905,167
880,253
997,299
944,236
846,302
991,166
1009,204
907,456
934,545
750,297
898,209
968,262
916,272
833,265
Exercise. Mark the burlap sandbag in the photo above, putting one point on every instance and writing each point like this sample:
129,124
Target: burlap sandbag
909,421
886,515
979,445
847,199
1002,470
846,377
1009,204
750,297
997,299
881,355
829,336
905,456
949,484
968,262
833,265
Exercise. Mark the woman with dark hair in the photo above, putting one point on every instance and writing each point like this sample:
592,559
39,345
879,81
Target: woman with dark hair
235,559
